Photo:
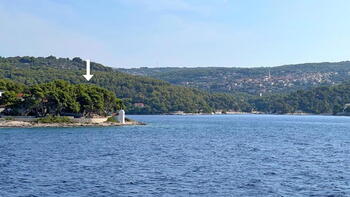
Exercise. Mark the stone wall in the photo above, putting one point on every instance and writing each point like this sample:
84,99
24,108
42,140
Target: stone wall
80,120
90,120
20,118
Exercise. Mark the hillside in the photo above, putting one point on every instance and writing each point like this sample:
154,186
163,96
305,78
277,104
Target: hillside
254,81
320,100
141,95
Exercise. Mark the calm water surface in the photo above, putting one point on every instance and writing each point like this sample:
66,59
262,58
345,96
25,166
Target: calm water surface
233,155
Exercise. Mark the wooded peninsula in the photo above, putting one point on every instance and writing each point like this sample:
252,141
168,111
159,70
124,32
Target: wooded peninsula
58,102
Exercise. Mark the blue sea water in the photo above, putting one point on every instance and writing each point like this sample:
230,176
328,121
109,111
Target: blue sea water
225,155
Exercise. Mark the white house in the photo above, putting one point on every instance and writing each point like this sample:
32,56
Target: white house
1,92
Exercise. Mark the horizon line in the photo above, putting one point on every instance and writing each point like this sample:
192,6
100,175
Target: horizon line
139,67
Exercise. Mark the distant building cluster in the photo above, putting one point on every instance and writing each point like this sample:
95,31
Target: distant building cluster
258,85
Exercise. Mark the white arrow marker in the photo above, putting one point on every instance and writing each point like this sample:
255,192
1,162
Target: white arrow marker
88,76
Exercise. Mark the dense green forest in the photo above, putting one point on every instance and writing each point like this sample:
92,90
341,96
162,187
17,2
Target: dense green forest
156,95
320,100
57,98
254,81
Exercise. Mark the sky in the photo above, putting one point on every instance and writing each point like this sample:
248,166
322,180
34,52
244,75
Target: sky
184,33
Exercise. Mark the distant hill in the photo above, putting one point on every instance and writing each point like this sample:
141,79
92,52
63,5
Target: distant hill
320,100
141,95
254,81
312,90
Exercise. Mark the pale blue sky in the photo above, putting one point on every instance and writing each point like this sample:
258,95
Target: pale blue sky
134,33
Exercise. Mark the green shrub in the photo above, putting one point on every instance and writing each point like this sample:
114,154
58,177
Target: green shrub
54,119
9,118
112,119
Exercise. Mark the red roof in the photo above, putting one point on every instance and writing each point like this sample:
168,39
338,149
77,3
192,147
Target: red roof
139,104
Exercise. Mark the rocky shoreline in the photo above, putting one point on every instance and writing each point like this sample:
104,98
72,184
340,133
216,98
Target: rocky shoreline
24,124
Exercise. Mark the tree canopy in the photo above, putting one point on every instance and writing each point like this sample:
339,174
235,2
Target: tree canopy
321,100
57,98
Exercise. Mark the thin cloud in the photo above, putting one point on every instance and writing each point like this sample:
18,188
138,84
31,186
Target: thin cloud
25,34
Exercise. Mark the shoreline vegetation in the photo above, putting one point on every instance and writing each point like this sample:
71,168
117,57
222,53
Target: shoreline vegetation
248,113
13,122
252,113
61,122
258,113
23,124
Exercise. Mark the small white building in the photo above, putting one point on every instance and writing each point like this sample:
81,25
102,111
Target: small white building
121,117
1,92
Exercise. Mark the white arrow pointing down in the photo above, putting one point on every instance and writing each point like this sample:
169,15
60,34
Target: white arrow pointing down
88,76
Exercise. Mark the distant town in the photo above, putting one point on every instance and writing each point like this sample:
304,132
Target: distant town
254,81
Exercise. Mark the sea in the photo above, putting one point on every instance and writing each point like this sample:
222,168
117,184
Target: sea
198,155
